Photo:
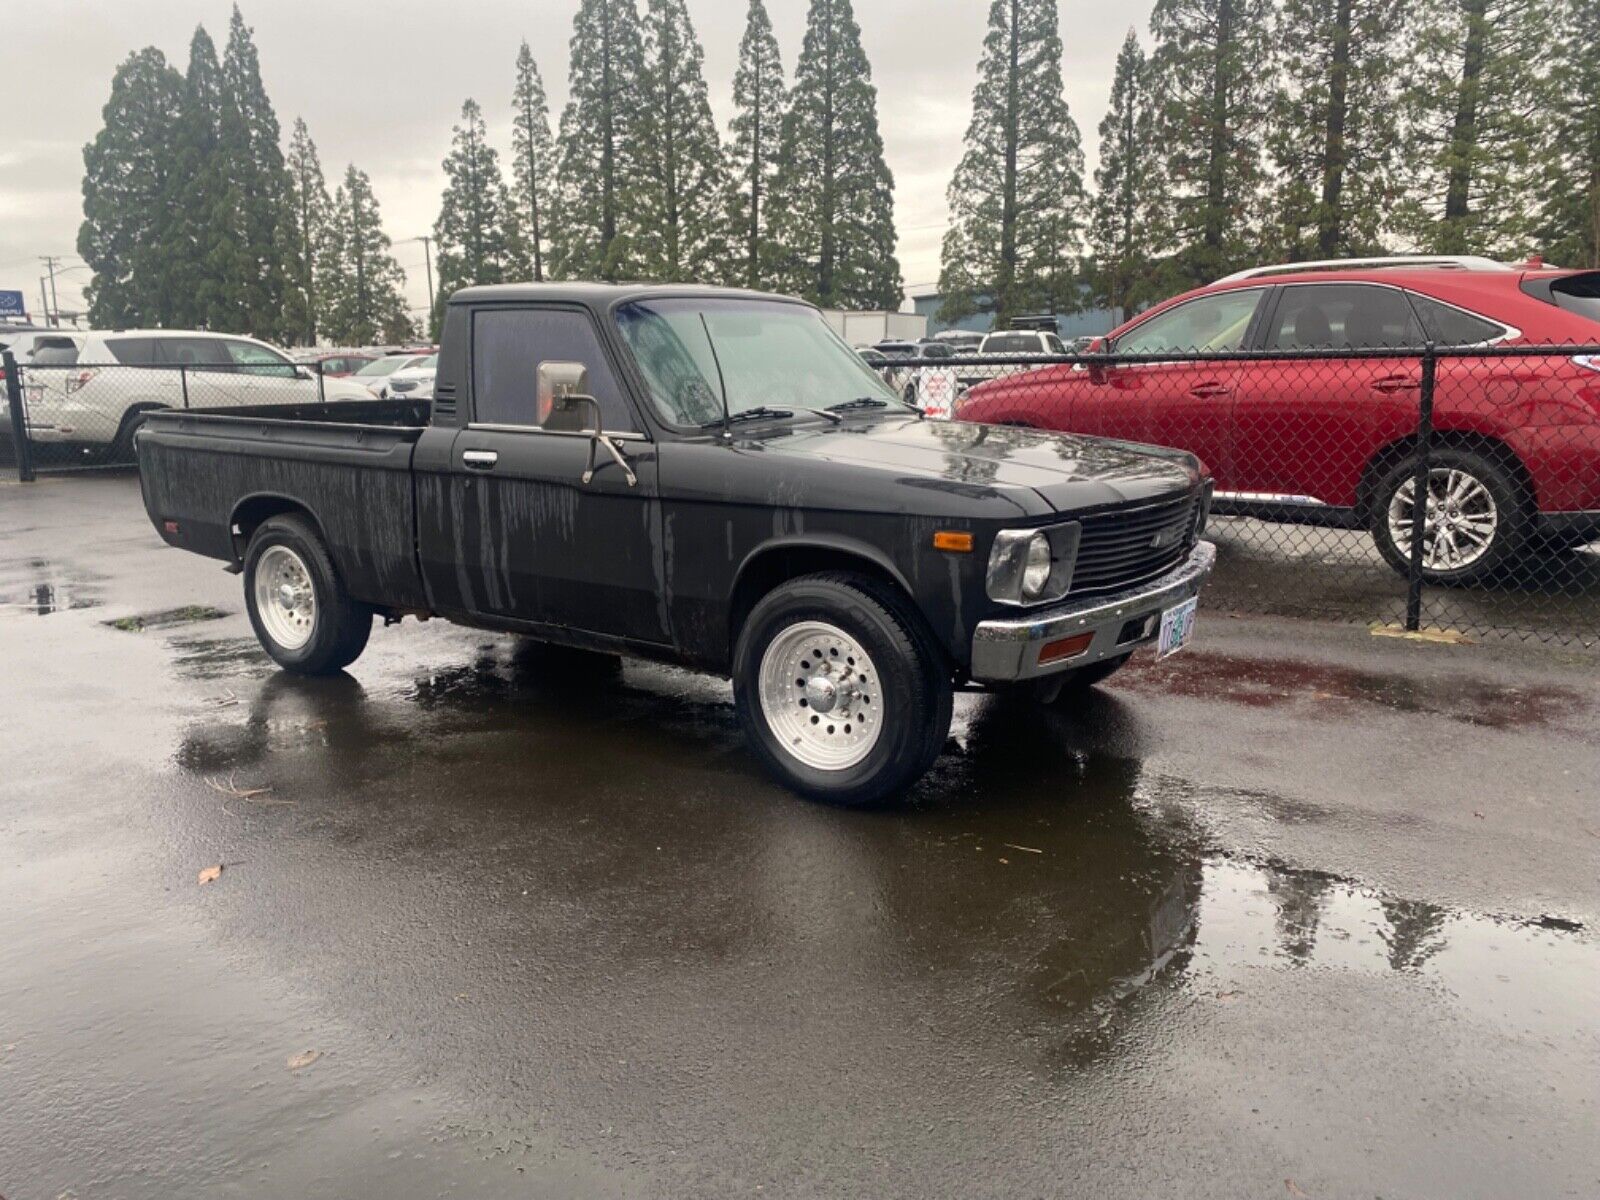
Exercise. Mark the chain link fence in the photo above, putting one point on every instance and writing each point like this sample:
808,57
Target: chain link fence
1318,456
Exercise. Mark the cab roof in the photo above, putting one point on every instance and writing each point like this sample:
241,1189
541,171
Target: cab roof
604,295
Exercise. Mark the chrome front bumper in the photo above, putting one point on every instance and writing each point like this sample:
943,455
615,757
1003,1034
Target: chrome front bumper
1004,651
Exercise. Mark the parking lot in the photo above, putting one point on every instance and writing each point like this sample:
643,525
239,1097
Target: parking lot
1300,912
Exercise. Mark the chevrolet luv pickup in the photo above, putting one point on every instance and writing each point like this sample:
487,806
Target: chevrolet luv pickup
710,478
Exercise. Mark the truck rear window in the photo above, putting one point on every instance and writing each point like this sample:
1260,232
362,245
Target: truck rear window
1011,343
54,352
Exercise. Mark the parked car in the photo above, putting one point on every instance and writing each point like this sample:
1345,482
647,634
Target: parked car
92,401
1008,343
414,381
709,477
1516,454
375,375
336,365
961,341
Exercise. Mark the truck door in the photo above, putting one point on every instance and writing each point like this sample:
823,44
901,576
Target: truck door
535,542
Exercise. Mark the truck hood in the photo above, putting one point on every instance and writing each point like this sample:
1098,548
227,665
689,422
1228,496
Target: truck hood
1066,471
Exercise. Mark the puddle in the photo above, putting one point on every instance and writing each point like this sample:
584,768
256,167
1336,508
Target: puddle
220,658
1269,683
40,587
188,614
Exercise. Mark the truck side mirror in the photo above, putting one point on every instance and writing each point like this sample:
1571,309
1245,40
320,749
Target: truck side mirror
563,392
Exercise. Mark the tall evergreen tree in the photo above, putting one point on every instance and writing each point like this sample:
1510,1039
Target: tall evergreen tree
475,234
361,285
206,231
1569,218
1334,133
1127,188
683,179
131,226
833,197
599,150
1472,117
759,98
1016,194
1212,101
533,163
311,231
254,280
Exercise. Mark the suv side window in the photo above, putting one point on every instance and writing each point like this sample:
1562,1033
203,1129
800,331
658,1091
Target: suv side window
207,353
508,344
1217,322
1447,326
134,351
1342,316
252,359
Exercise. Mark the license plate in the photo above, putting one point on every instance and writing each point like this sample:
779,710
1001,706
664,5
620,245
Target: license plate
1177,627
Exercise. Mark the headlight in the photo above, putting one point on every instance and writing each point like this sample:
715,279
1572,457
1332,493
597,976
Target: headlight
1027,566
1036,574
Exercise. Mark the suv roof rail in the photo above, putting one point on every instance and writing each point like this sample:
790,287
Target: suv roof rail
1448,262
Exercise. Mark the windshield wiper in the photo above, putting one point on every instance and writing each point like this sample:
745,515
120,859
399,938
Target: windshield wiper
759,413
867,402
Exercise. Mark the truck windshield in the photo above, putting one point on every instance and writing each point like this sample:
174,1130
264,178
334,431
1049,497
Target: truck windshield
764,354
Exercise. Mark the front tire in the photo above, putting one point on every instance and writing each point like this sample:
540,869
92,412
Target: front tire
300,611
840,690
1475,521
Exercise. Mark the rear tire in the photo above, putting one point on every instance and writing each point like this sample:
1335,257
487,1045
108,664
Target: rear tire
302,615
1477,522
121,448
841,691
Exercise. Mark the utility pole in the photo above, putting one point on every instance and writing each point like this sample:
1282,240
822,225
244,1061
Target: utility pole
50,261
427,258
44,302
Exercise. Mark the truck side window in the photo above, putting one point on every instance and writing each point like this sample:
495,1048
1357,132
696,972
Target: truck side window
508,344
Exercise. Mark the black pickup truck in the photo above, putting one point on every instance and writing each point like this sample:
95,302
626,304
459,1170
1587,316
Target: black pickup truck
707,477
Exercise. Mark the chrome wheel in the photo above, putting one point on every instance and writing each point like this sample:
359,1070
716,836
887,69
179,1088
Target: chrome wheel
1459,524
819,695
286,601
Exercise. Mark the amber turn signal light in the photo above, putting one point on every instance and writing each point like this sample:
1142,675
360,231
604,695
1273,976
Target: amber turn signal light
1065,647
953,541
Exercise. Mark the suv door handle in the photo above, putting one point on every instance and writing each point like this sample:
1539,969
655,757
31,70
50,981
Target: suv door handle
479,460
1390,384
1202,391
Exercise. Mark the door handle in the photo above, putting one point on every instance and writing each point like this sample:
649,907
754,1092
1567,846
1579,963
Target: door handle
1390,384
1202,391
479,460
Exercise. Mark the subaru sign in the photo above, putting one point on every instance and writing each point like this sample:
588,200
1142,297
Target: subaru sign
11,305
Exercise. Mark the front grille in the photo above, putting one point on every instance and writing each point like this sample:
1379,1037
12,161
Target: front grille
1126,546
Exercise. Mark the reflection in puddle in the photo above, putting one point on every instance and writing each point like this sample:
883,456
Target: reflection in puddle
40,587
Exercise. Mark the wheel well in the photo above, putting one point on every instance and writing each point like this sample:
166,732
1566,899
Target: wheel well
776,566
1398,451
251,513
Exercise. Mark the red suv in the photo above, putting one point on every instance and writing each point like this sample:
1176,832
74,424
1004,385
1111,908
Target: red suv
1516,452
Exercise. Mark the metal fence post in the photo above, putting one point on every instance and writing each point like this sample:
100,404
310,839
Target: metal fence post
183,380
1421,488
20,445
322,385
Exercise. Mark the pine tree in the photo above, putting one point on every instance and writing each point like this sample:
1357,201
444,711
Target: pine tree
759,99
533,164
311,213
205,226
1211,108
599,145
1015,195
361,286
1471,124
683,181
475,233
254,281
833,197
1127,187
1334,135
1569,227
131,233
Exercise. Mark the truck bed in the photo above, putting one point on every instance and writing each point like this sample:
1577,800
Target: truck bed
210,476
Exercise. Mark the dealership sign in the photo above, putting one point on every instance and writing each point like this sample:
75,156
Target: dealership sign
11,305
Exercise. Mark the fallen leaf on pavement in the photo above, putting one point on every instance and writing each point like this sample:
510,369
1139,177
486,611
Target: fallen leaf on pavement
210,875
1292,1187
1227,997
304,1059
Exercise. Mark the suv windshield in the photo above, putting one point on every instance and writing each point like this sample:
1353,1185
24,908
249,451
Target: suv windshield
763,354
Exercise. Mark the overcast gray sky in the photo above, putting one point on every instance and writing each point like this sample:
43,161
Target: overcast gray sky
380,82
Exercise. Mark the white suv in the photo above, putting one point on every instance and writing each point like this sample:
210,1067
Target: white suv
95,397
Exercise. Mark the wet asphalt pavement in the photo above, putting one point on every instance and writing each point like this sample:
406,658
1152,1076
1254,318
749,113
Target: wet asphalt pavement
1301,912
